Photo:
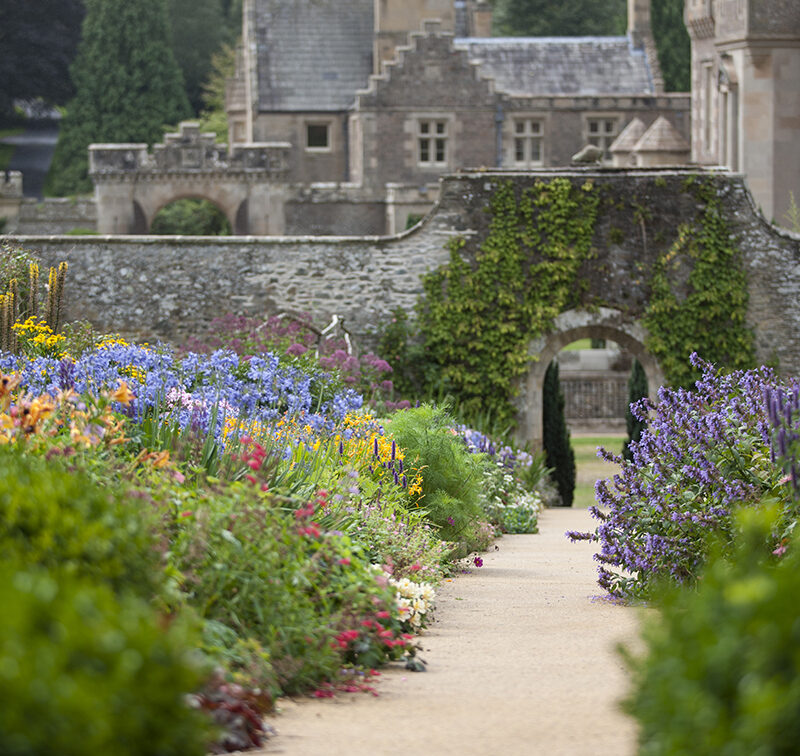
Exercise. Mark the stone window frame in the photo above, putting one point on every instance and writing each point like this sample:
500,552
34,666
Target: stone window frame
602,138
430,135
513,134
316,123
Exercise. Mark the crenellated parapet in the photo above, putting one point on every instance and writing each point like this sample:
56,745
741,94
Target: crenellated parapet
188,153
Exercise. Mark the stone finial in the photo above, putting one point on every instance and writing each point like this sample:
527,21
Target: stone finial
661,144
589,155
622,147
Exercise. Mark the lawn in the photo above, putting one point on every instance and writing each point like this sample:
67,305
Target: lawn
590,467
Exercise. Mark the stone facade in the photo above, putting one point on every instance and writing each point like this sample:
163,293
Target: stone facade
170,287
746,93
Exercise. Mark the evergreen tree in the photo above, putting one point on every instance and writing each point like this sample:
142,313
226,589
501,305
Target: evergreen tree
637,389
569,18
197,31
558,450
672,41
128,86
37,43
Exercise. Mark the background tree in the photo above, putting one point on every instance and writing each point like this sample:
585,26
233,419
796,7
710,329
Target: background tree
558,451
672,41
127,84
198,30
38,41
567,18
571,18
637,389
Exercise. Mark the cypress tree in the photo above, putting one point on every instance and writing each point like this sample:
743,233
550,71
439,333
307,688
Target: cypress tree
127,83
637,389
558,450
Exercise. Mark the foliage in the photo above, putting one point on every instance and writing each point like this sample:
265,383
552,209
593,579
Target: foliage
792,215
86,673
508,506
673,44
56,518
197,32
127,84
477,318
555,436
573,18
637,389
707,313
451,476
721,673
38,41
191,217
279,578
703,454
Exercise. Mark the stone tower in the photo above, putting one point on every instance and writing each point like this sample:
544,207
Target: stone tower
394,19
746,93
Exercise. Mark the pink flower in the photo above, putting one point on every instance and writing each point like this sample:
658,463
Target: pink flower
478,562
296,350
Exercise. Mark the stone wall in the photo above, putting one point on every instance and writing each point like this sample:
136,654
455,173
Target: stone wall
170,286
55,215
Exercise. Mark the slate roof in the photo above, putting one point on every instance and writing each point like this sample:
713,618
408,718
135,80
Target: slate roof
561,65
312,54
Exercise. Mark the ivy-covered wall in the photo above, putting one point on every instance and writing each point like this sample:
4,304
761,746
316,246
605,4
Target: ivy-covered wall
662,255
646,232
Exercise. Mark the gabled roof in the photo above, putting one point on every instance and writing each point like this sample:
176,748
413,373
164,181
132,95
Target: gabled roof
662,136
628,137
561,65
312,55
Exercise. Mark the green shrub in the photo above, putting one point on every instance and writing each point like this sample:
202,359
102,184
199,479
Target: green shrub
722,671
637,389
278,578
451,476
83,673
558,450
52,517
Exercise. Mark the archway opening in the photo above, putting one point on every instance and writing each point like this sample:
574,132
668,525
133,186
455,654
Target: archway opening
594,381
191,216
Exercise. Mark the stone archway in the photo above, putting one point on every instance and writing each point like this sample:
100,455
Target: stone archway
603,323
153,213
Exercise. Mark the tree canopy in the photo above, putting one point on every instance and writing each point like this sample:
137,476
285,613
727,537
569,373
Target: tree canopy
574,18
38,41
128,86
567,18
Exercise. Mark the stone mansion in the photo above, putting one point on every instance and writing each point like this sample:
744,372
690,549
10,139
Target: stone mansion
373,100
344,114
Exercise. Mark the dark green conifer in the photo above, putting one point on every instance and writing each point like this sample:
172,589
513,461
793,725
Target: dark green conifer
637,389
127,83
558,450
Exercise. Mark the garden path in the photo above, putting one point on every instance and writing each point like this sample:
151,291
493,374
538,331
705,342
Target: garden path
521,662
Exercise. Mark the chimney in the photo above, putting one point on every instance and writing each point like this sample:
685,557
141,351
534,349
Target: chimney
639,21
481,21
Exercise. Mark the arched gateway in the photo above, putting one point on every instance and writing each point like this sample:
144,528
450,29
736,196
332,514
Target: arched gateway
602,323
132,185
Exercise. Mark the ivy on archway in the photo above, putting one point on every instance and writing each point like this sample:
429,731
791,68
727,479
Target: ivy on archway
707,313
478,316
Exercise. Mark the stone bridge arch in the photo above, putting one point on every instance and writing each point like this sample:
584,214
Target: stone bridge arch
132,184
602,323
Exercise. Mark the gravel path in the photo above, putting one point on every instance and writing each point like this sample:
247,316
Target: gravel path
521,661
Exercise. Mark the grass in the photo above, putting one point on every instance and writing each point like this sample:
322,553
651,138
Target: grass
590,467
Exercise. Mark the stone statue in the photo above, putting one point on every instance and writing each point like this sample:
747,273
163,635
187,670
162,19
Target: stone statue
589,155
